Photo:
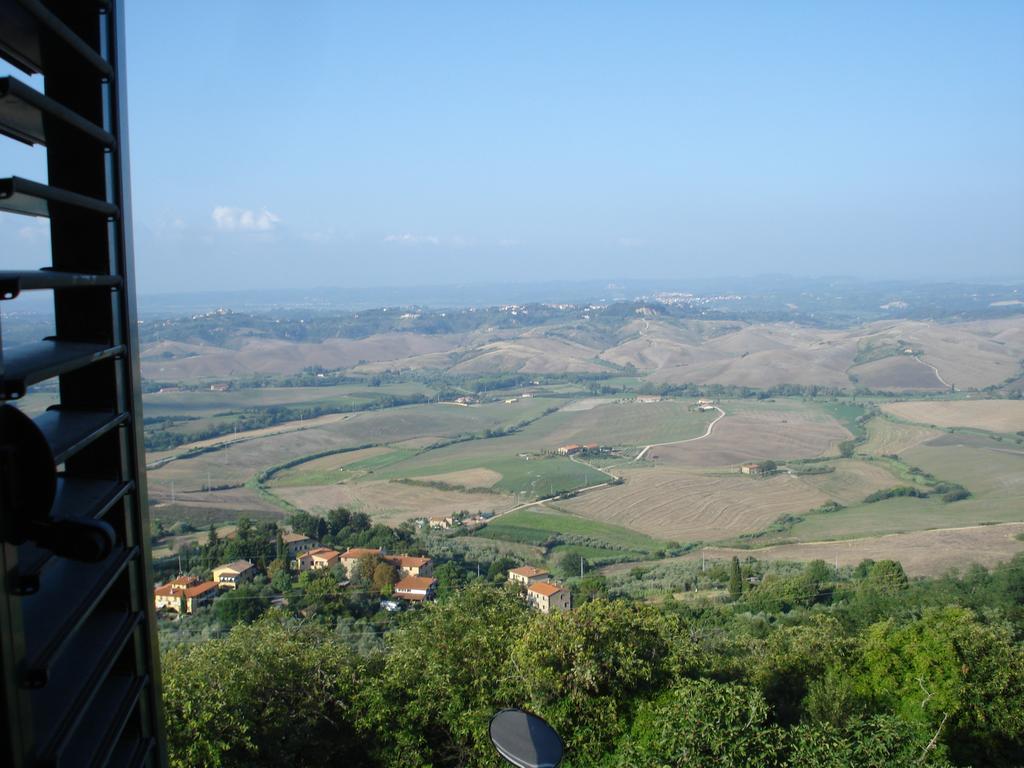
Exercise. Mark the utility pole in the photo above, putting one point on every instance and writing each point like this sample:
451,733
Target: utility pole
703,565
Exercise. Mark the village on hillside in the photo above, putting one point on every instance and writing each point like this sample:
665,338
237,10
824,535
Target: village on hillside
415,582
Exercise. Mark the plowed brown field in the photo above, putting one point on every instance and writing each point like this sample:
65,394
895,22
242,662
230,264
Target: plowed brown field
671,503
993,415
754,436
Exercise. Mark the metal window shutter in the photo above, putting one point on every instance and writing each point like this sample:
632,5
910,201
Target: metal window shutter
79,674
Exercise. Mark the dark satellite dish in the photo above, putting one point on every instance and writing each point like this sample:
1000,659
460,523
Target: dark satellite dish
525,740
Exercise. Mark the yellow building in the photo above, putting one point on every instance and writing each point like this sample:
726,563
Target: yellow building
317,559
230,575
411,565
184,589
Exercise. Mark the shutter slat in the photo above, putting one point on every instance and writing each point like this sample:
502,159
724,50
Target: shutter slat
25,114
52,617
30,198
38,361
13,282
26,25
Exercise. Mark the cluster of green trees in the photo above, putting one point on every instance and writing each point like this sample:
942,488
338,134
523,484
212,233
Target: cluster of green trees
342,529
948,492
876,670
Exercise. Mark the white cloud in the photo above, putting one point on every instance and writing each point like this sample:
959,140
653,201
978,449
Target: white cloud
240,219
407,239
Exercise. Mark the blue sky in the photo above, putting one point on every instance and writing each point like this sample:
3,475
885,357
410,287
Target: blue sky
428,142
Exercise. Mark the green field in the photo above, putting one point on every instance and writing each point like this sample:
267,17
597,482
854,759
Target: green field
535,477
297,476
530,526
900,515
846,413
994,476
611,424
524,458
238,462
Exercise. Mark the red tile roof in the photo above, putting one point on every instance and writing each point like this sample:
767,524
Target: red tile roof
545,588
407,561
292,538
357,552
529,571
415,582
190,586
325,552
201,589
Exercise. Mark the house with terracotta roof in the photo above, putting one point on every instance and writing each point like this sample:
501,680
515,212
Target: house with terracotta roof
297,543
350,557
317,559
547,597
411,565
187,590
416,588
230,575
527,575
569,450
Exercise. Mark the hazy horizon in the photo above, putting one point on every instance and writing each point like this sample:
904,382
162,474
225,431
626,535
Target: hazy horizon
461,144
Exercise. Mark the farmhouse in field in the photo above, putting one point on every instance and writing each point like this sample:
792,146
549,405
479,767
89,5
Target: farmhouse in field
317,559
230,575
443,522
753,469
416,588
648,398
547,597
527,575
187,590
569,450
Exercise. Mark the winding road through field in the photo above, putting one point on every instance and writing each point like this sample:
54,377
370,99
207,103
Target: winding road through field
935,370
710,429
